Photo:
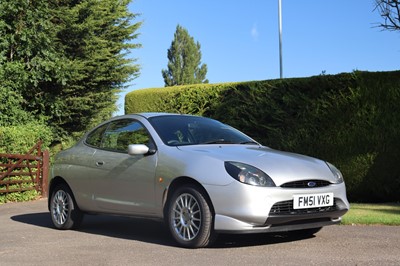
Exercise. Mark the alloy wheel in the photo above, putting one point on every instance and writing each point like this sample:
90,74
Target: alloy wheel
186,217
60,207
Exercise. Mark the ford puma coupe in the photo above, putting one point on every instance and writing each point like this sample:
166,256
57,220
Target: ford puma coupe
201,176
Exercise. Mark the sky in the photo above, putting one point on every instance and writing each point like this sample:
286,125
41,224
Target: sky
240,39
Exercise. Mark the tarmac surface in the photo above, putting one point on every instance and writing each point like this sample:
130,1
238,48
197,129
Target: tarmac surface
27,237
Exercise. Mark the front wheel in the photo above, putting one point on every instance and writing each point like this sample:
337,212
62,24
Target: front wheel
189,218
63,210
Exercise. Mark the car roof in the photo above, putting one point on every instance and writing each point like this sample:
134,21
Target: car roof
148,115
155,114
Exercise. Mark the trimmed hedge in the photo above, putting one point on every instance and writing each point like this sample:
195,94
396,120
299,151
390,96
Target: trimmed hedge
190,99
350,119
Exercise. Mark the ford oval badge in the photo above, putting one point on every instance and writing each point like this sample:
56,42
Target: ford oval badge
311,184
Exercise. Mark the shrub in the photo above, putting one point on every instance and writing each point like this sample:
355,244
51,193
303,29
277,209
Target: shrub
19,139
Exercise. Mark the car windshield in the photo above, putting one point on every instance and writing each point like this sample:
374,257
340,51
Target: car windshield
180,130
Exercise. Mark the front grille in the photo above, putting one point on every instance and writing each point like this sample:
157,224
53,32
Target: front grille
305,184
286,208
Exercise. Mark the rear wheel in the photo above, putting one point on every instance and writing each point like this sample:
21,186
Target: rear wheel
63,210
189,218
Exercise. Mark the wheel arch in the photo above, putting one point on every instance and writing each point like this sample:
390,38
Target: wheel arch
58,180
179,182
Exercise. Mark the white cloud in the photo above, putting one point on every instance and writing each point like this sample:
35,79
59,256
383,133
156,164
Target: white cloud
254,32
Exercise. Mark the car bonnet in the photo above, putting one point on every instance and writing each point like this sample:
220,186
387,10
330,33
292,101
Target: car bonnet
281,166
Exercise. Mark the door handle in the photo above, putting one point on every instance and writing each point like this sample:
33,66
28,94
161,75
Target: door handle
99,163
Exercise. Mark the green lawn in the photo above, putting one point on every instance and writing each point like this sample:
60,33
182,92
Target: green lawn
386,213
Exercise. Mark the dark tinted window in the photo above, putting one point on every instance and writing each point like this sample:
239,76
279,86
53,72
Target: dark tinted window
190,130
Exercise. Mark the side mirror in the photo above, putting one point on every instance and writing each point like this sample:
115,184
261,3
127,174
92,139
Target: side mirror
138,149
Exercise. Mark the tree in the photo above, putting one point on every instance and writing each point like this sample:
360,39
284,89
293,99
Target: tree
27,58
390,12
184,61
66,60
95,37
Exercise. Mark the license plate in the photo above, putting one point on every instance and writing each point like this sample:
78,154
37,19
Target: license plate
312,200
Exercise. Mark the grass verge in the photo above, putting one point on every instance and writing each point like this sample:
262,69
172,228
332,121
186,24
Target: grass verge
373,214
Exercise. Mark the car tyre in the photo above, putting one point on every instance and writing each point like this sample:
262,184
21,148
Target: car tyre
65,214
189,218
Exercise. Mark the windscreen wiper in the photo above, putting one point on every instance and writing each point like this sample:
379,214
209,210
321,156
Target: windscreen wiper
218,141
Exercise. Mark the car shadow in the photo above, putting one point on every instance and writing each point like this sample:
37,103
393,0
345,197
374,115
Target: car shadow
153,231
41,219
256,239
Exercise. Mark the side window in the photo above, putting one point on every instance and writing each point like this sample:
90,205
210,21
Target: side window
95,137
121,133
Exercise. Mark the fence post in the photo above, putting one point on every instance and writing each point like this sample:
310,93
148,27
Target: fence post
45,172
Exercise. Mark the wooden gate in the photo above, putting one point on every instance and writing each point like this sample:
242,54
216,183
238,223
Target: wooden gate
22,172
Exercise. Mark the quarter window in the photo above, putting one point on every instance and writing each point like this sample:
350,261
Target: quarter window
95,137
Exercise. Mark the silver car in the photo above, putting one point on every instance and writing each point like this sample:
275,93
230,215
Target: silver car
201,176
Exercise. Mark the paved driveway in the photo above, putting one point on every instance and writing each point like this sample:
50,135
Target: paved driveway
28,238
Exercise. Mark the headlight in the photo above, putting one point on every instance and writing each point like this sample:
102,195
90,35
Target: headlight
248,174
336,173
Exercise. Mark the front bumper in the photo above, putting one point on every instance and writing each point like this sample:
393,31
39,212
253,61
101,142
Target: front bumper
241,208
